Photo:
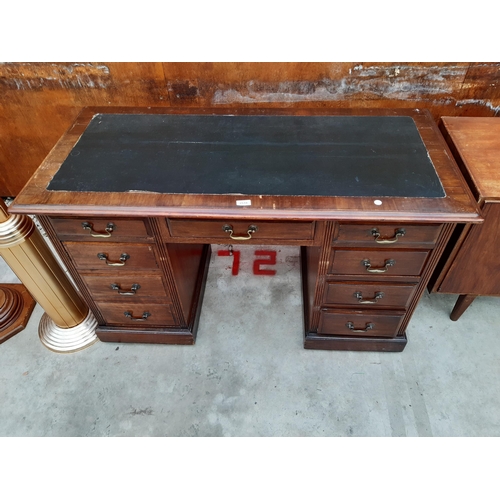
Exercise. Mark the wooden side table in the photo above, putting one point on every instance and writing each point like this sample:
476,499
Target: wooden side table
472,264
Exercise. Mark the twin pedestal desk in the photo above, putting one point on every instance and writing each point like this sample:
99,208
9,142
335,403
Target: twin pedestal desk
133,198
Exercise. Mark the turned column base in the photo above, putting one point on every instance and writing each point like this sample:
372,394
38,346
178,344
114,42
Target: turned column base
67,340
16,306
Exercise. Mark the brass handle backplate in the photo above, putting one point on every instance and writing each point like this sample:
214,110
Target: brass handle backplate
388,263
95,234
123,258
132,290
229,229
350,325
359,296
144,317
386,241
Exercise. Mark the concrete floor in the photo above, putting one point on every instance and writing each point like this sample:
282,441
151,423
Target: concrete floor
248,374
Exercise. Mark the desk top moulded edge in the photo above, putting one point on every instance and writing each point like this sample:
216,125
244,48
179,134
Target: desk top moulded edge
457,206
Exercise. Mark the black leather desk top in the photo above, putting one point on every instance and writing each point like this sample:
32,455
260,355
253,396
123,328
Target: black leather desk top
253,155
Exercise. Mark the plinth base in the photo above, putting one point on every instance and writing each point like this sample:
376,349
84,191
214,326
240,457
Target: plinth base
339,343
67,340
16,306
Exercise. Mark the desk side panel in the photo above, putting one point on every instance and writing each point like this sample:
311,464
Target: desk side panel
186,262
310,265
476,267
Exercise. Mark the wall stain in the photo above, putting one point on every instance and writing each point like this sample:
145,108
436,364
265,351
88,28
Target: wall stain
53,76
479,102
400,82
184,90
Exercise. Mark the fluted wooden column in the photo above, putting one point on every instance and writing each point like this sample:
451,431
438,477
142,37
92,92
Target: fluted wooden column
67,324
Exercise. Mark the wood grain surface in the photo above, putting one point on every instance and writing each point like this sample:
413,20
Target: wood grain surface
475,142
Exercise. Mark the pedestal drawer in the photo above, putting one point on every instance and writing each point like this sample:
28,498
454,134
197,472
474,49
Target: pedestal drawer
359,323
139,315
393,235
139,288
376,263
376,295
98,229
118,257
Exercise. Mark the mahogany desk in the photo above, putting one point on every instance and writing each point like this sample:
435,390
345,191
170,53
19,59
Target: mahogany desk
471,266
133,198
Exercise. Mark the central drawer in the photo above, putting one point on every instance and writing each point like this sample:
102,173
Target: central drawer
116,257
229,230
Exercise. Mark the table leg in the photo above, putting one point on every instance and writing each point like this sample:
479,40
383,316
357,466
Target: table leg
462,303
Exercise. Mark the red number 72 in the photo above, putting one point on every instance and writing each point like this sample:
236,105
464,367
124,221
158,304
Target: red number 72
269,261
